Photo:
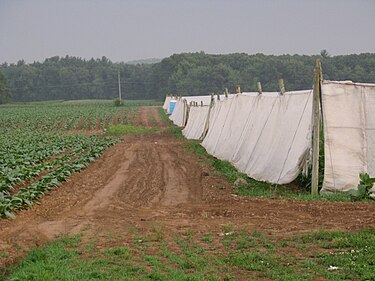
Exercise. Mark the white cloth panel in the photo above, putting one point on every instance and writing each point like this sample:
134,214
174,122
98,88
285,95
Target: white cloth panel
266,136
178,115
205,99
196,122
349,133
166,102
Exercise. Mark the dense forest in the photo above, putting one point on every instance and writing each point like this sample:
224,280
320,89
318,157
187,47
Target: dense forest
67,78
4,89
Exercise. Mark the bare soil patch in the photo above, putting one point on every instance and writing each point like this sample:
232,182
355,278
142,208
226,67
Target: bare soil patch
107,121
123,118
62,123
98,123
149,180
132,118
148,116
89,124
80,123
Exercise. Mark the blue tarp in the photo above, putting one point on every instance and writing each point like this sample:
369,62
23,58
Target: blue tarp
172,104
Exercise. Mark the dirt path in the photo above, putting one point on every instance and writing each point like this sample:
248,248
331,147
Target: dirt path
151,179
148,116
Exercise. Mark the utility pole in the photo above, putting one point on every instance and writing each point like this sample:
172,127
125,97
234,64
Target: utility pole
119,85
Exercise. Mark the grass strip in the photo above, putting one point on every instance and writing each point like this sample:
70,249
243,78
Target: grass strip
121,129
240,255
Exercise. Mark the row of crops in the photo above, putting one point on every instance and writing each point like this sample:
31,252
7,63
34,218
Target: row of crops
38,151
66,116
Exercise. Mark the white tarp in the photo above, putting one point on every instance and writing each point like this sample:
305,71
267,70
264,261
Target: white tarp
179,116
166,102
181,110
349,133
266,136
196,124
199,99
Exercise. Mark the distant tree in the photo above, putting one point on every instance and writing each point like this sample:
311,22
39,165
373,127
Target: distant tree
324,53
4,89
21,62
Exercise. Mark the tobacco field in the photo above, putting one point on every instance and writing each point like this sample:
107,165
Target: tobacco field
42,144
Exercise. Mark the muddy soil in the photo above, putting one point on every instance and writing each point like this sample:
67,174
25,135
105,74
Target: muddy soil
151,179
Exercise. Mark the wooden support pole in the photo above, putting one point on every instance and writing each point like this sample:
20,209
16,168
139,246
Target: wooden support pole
282,86
259,86
186,112
208,118
316,128
226,92
218,96
238,89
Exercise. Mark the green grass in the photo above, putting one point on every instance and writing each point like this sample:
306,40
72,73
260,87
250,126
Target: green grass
120,129
257,188
177,132
206,256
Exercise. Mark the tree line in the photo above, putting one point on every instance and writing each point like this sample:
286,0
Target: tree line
69,78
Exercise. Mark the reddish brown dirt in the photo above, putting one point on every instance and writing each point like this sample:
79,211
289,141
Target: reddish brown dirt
159,120
89,124
123,118
131,118
98,123
150,180
80,123
149,117
62,123
116,118
107,121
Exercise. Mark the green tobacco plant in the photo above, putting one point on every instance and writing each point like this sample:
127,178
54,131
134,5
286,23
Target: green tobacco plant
364,186
86,151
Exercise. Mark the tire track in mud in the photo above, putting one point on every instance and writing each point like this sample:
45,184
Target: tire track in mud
157,176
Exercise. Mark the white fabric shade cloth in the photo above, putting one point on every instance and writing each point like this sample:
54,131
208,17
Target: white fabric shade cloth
266,136
349,133
180,113
197,122
166,102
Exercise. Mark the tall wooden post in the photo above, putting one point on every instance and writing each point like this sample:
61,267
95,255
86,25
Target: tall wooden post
259,86
238,89
207,123
282,86
316,128
186,112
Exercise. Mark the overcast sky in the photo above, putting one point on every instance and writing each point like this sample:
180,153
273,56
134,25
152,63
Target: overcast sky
125,30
